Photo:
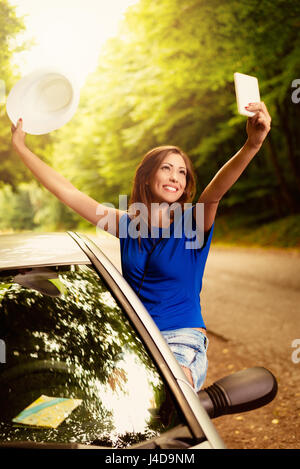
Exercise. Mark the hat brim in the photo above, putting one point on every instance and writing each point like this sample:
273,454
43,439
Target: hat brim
46,100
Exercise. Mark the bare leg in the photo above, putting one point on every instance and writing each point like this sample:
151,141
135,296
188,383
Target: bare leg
188,374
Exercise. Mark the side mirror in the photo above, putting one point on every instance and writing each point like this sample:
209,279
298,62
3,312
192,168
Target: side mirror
242,391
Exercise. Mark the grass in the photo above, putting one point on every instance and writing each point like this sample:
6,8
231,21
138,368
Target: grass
283,233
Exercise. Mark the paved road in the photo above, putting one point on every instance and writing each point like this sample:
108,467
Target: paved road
249,296
252,297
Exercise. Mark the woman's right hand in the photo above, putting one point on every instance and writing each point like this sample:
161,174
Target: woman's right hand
18,135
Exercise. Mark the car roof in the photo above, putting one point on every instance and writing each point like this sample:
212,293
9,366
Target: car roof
39,249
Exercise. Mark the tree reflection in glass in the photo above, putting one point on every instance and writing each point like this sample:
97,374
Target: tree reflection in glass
77,344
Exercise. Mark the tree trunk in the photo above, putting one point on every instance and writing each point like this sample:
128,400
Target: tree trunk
284,120
279,175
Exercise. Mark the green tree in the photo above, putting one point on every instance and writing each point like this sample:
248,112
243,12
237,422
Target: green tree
10,27
168,79
16,210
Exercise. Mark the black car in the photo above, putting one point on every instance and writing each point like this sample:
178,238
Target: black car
72,330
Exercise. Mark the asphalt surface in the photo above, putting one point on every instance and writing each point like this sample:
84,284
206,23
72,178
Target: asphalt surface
252,297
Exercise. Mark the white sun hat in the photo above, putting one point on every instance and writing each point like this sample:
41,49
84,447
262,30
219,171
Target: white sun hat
46,99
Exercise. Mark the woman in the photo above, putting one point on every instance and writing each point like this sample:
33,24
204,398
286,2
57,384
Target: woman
163,270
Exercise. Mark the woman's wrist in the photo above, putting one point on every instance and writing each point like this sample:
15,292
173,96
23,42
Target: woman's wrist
19,147
253,146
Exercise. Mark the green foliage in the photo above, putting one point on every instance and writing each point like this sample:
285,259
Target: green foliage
10,27
168,79
12,172
17,208
283,233
31,207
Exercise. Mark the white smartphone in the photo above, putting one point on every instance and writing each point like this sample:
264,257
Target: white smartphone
247,91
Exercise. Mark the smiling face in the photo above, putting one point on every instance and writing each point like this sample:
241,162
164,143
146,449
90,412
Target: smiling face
165,175
169,181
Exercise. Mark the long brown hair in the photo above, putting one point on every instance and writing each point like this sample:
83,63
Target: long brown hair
146,170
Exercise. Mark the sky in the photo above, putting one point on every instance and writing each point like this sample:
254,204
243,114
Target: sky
68,34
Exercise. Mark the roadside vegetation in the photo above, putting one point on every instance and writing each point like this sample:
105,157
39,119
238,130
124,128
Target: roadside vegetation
167,78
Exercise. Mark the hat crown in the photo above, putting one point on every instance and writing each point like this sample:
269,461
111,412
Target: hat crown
51,94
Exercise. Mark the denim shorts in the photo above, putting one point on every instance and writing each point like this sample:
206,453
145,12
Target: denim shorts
189,347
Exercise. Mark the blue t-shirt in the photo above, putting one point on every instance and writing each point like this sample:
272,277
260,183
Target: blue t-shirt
172,285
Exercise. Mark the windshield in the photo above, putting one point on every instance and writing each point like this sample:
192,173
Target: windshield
70,354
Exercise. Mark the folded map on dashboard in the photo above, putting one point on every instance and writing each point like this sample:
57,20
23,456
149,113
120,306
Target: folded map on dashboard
47,412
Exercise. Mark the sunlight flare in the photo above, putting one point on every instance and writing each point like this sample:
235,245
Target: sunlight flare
67,34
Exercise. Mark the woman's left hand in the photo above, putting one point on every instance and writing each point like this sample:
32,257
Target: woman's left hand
259,125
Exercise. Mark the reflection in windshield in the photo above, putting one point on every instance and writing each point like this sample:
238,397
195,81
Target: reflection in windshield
79,345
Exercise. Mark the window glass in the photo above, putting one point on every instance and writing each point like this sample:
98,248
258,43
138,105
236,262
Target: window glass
66,337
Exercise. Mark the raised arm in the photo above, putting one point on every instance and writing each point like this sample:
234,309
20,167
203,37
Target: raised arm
257,129
106,218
